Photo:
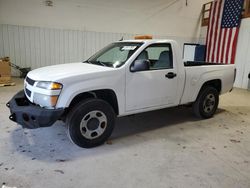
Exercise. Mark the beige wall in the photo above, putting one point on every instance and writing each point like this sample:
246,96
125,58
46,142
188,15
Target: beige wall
242,60
34,35
157,17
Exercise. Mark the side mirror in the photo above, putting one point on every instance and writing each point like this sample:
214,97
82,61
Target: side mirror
140,65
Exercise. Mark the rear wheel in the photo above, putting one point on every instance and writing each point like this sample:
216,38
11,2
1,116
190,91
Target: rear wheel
206,103
90,123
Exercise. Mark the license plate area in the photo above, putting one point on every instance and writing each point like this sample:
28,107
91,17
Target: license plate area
22,102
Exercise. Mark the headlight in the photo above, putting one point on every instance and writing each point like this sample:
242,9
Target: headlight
49,85
45,100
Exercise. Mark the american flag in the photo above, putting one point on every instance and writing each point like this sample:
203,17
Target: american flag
223,30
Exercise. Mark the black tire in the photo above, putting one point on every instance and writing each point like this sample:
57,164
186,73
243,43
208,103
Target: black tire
206,103
78,128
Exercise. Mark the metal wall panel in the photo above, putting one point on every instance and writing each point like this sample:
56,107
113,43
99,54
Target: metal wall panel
37,47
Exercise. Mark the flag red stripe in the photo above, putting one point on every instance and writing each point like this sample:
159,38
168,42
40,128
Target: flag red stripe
208,29
219,47
228,46
223,45
234,46
211,31
216,30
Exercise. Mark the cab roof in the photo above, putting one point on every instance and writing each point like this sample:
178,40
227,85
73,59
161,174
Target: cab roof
149,41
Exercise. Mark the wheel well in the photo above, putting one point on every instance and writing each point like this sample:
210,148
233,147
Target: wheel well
213,83
107,95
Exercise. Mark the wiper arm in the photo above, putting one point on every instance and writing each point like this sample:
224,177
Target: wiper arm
98,62
87,62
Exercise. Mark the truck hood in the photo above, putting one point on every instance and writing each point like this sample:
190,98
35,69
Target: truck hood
58,72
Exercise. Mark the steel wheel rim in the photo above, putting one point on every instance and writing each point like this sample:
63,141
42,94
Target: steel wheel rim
93,124
209,103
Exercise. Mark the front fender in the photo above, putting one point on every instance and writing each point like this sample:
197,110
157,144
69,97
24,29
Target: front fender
114,82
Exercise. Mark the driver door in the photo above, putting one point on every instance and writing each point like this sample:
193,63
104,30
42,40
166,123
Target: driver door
156,87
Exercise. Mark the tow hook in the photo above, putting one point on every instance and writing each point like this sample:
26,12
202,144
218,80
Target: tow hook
12,117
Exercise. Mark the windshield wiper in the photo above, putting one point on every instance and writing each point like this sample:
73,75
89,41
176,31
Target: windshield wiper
105,64
99,63
87,62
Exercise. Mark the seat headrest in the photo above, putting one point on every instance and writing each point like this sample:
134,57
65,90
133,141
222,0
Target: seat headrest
164,56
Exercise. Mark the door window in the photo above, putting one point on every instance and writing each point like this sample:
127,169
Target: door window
159,56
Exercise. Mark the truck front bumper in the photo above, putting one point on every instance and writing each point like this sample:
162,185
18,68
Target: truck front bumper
29,115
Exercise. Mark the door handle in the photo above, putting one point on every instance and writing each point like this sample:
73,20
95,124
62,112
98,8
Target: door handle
170,75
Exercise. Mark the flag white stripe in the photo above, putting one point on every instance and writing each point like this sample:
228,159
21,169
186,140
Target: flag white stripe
221,44
219,30
231,46
225,48
214,27
210,29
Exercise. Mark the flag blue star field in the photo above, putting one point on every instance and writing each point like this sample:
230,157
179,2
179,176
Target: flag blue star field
223,30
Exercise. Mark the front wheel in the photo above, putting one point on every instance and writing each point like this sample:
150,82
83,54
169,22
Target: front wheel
90,123
206,103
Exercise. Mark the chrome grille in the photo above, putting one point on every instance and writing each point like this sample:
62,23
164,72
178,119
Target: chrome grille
30,81
28,92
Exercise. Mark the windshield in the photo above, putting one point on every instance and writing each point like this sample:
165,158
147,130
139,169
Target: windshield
115,54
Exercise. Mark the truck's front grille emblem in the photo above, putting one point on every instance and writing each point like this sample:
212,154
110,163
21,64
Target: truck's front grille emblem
30,81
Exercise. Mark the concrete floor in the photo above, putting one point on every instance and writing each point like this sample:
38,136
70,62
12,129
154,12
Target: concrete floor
166,148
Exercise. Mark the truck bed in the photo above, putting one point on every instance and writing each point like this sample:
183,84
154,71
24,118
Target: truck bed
198,73
200,63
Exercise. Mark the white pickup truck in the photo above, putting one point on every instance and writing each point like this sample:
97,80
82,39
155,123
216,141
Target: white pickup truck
126,77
